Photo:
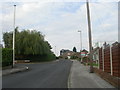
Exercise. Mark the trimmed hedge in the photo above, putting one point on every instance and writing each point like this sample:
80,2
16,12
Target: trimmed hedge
7,57
0,57
36,58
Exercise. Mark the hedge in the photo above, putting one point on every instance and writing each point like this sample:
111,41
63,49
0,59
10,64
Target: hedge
37,58
0,57
7,57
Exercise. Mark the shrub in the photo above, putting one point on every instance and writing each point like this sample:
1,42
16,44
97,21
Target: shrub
66,57
60,57
0,57
7,57
73,57
79,59
57,57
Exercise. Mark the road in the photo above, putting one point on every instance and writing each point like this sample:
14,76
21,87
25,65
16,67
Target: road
41,75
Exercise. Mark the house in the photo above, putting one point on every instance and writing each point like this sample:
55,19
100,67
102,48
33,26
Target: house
67,54
95,55
84,53
63,51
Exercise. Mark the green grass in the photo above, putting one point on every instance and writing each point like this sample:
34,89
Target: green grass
94,64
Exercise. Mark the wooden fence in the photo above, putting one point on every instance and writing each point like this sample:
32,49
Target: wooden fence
109,59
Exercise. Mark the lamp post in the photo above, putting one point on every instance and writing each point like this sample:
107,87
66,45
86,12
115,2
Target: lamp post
14,38
90,36
80,43
55,50
80,39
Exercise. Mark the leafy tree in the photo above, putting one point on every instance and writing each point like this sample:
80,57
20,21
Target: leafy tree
7,38
74,49
28,43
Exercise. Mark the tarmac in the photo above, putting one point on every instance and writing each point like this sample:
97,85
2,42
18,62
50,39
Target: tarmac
80,77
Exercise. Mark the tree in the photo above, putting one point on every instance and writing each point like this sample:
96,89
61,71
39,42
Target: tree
7,38
28,43
74,49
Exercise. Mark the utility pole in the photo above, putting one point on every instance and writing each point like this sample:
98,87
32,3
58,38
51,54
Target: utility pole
90,37
14,38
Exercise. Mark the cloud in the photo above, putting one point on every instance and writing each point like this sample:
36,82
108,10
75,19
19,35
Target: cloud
60,21
58,0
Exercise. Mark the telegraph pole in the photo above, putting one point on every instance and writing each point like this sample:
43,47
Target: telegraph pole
90,37
14,38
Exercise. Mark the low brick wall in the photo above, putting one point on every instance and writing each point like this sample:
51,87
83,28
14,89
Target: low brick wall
109,78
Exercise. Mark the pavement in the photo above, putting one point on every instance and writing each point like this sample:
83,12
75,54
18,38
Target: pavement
81,78
40,75
16,69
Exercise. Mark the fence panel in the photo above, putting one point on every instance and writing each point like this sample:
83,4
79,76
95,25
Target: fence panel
116,60
107,59
100,59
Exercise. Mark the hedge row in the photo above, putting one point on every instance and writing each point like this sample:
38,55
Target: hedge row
7,56
36,58
0,57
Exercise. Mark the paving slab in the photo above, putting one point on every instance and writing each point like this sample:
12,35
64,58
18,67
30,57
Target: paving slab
81,78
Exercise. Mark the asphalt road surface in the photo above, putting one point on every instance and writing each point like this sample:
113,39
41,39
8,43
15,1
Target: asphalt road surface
44,75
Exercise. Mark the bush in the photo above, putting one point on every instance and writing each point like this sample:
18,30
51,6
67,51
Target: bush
66,57
79,59
0,57
73,57
7,57
85,58
60,57
57,57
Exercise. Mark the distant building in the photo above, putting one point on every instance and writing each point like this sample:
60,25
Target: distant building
68,54
84,53
95,55
63,51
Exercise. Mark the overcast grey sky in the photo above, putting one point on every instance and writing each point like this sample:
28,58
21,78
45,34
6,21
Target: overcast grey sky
60,21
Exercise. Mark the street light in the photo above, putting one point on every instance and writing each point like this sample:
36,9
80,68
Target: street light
80,39
55,50
14,38
80,43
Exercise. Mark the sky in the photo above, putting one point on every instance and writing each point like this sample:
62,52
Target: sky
60,21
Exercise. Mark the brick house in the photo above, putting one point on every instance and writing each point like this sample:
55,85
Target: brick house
67,54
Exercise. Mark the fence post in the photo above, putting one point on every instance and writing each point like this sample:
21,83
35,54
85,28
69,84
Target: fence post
98,58
103,57
111,66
